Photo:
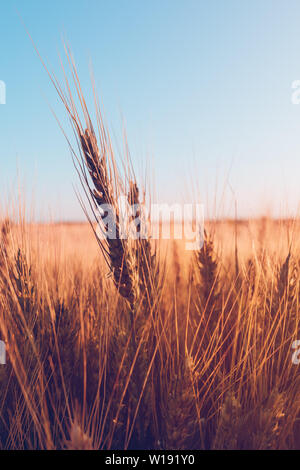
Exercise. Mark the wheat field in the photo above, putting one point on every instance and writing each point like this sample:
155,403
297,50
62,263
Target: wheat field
205,362
141,344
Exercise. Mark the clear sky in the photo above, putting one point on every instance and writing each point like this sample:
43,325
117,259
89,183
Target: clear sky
203,86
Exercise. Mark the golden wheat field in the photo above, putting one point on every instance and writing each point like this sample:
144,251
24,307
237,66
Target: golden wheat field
133,343
197,355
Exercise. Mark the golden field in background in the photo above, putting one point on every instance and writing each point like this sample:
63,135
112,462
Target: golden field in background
68,244
203,360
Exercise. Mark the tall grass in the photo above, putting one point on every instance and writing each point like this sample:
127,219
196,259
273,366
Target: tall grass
124,347
195,369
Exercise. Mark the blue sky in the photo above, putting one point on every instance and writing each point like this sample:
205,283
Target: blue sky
204,88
